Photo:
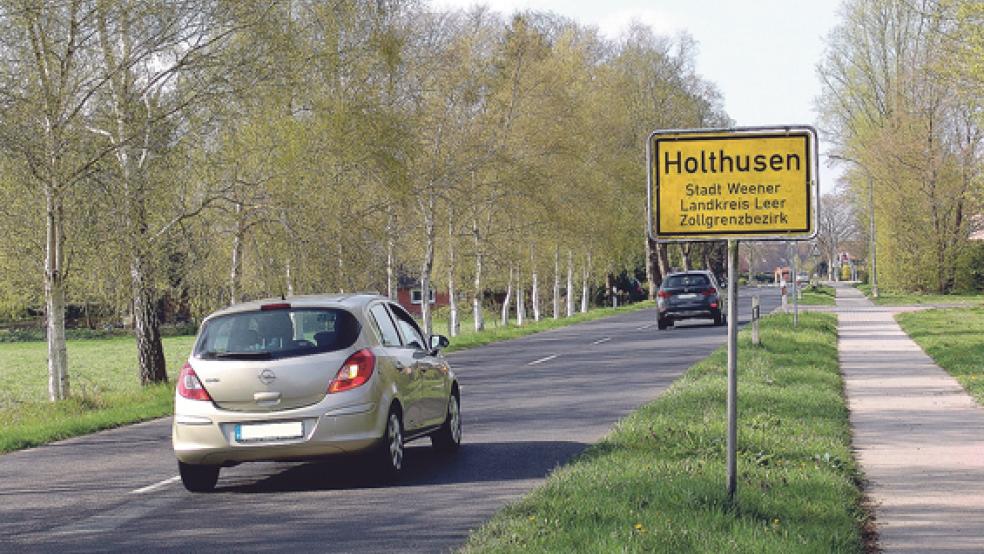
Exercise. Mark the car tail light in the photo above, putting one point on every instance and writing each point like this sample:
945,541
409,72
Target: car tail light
355,372
189,386
279,306
710,292
663,294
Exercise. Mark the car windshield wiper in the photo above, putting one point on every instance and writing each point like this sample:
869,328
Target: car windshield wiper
241,355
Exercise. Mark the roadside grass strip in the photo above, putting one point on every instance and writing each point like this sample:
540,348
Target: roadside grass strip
954,338
106,392
895,298
820,295
656,483
469,338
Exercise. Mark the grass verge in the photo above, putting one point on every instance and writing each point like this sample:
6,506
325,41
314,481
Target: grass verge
469,338
818,295
896,298
105,388
953,338
657,482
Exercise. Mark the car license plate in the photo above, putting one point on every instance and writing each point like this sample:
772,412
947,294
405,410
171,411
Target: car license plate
257,432
686,296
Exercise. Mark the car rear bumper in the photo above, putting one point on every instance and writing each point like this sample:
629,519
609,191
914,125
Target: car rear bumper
211,439
693,313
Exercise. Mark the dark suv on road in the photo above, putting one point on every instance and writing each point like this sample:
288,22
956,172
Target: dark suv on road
689,295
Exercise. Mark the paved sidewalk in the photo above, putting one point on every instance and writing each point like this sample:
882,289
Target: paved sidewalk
919,436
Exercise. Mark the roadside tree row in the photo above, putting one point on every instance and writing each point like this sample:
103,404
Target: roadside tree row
903,85
162,159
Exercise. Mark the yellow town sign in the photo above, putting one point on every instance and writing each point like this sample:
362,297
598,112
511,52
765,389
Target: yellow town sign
740,184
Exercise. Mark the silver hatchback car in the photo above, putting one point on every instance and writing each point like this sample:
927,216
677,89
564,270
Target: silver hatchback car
307,377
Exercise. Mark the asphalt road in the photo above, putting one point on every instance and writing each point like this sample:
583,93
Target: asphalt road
528,405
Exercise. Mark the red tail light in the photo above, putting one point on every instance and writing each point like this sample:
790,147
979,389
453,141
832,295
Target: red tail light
710,292
189,386
355,372
663,294
280,306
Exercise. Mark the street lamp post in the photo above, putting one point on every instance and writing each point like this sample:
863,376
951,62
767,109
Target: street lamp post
871,220
871,232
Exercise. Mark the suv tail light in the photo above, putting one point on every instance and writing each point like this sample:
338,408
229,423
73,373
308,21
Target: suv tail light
355,372
710,292
189,386
663,294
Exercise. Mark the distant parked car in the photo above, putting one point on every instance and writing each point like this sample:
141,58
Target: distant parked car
307,377
689,295
802,278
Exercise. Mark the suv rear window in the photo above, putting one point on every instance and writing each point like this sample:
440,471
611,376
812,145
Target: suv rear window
690,280
272,334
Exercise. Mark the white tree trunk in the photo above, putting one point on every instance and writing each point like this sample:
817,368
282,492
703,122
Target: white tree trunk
290,278
54,295
535,286
520,300
570,283
390,246
508,300
235,272
556,284
584,284
428,263
452,296
477,292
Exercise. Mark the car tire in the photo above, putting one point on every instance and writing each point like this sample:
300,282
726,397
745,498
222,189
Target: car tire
389,455
448,437
662,324
198,478
719,319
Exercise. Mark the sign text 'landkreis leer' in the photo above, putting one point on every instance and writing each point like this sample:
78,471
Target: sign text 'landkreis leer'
732,185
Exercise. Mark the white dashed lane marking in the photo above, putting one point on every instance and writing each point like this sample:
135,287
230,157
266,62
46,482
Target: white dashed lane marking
155,486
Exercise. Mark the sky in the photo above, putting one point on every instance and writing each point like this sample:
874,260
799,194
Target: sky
761,54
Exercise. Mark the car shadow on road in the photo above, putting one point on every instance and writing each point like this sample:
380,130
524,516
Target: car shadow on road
472,463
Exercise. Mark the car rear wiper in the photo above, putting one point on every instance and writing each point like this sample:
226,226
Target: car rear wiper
242,355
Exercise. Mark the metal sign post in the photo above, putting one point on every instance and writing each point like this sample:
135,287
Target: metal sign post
732,368
795,276
755,321
747,183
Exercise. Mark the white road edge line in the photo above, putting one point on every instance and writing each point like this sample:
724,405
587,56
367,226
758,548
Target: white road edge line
155,486
645,327
541,360
599,341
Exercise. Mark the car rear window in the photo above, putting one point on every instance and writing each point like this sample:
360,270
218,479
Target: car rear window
281,333
680,281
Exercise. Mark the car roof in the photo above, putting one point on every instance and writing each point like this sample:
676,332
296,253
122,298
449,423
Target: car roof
348,301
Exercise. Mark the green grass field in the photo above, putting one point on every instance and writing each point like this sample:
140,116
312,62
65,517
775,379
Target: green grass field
106,390
657,482
895,298
954,338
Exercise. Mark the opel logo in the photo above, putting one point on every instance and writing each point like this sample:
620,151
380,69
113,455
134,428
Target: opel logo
267,376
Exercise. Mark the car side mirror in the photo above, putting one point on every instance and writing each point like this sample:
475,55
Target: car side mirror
437,342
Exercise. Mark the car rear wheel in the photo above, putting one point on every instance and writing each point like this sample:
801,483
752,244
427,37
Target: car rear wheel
662,324
448,437
719,319
198,478
389,455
